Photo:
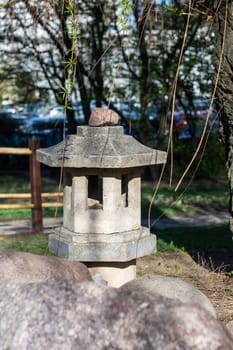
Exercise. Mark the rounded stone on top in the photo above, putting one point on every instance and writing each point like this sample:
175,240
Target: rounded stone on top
103,117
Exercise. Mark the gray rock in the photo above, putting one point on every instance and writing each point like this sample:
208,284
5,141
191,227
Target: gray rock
97,278
21,267
70,315
229,326
103,117
171,287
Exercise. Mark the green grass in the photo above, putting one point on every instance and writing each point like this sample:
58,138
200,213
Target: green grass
20,184
163,246
208,239
36,244
15,183
196,239
201,198
197,200
27,214
167,202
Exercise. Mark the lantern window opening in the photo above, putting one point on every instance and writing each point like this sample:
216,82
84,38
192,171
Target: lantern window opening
68,179
124,190
95,192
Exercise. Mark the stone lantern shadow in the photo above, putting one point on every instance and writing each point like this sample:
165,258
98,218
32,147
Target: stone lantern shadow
102,198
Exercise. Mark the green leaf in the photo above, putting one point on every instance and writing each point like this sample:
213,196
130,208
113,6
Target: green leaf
69,9
73,84
69,64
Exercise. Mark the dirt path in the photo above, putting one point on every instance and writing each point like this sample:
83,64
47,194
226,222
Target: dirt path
12,227
17,227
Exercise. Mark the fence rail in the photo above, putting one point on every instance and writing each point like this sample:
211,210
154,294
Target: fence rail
30,206
27,195
16,151
35,196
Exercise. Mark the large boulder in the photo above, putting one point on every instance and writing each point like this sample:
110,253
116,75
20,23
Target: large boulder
229,326
21,267
71,315
171,287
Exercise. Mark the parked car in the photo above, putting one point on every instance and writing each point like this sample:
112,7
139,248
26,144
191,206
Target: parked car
48,130
8,130
25,115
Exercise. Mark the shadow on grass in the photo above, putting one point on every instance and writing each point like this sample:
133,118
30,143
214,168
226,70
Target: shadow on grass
35,244
209,245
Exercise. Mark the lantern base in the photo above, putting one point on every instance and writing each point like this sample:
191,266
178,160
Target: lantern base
92,247
114,273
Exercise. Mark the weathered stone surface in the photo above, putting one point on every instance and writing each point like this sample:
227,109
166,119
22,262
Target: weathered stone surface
94,204
28,268
170,287
120,246
229,326
71,315
103,117
105,147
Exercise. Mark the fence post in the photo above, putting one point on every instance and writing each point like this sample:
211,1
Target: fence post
35,180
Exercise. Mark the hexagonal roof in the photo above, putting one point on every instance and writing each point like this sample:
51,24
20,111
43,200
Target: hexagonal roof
100,147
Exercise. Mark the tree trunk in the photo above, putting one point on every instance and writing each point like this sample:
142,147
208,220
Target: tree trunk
224,102
98,31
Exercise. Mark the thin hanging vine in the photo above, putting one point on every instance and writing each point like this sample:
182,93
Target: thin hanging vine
70,72
70,61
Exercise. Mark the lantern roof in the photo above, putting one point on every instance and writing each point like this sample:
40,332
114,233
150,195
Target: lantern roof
100,147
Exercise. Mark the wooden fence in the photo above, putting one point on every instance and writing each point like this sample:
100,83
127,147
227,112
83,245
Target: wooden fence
36,196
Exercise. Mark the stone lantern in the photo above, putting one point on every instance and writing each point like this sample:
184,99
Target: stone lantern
102,198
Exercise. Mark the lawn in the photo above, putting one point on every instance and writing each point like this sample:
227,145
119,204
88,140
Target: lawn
196,239
193,240
200,198
19,183
36,244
